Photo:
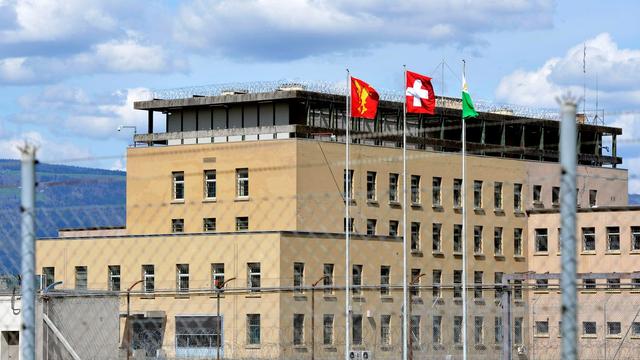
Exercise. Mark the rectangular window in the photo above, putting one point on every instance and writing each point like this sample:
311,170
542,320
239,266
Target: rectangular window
81,278
49,276
457,284
477,239
437,282
542,284
478,330
542,328
497,326
497,280
436,237
497,240
242,183
477,281
209,224
589,284
372,187
517,330
497,196
589,328
182,277
356,279
588,239
356,331
347,186
344,225
210,184
371,226
415,236
635,283
436,191
253,276
477,194
242,223
148,277
517,197
555,196
414,289
385,274
393,188
537,194
517,289
457,238
614,328
457,330
327,329
457,193
253,329
613,283
177,225
635,329
298,329
178,185
437,329
197,333
393,228
114,277
298,276
385,330
542,241
414,328
415,189
613,238
217,275
328,278
635,238
593,197
517,242
559,240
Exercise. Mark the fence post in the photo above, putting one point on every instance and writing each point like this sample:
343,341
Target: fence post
28,286
568,224
505,302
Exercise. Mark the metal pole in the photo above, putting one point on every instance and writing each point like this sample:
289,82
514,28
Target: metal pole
464,234
506,320
28,276
313,323
128,320
347,303
219,322
568,223
405,292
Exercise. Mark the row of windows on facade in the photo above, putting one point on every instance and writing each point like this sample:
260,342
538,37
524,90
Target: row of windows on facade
588,236
589,329
210,184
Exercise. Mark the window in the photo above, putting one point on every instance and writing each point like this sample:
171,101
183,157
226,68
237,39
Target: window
477,239
253,276
356,331
477,280
542,328
517,197
436,191
217,275
497,195
635,238
497,280
178,185
371,186
327,329
542,284
589,284
210,184
517,242
457,238
356,278
242,183
209,224
457,283
182,277
385,330
635,329
81,278
542,243
148,278
347,185
497,240
197,333
588,239
393,188
298,329
497,326
414,328
371,226
242,223
437,281
517,330
177,225
298,276
414,290
614,328
114,277
537,194
613,238
253,329
457,330
555,196
328,278
437,329
593,196
517,289
415,189
477,194
613,283
457,193
478,330
344,225
393,227
49,276
559,240
415,236
437,237
385,273
589,328
635,282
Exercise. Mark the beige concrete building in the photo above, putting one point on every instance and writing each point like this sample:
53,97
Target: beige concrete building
249,188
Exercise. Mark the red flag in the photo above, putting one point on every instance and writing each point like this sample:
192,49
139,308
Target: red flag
420,96
364,99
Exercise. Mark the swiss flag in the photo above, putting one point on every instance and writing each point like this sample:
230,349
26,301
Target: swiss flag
420,96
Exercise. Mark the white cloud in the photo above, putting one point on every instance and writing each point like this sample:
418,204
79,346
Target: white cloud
47,150
634,178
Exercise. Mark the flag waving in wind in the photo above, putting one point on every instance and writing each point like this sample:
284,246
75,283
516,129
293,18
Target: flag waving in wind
364,100
420,96
467,105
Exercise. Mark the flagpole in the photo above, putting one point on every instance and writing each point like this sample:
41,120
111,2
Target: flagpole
464,230
405,307
347,188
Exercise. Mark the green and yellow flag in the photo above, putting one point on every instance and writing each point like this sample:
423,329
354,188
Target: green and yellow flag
467,105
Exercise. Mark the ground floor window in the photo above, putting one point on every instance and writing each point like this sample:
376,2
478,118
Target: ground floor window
197,336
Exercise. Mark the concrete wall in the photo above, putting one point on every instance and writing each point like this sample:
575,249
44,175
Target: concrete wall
9,325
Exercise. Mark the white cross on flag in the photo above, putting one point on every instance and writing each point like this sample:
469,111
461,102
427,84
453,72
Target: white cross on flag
420,96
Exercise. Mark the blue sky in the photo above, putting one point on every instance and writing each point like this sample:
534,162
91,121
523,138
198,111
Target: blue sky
69,71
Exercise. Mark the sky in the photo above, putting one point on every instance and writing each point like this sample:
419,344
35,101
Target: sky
71,70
